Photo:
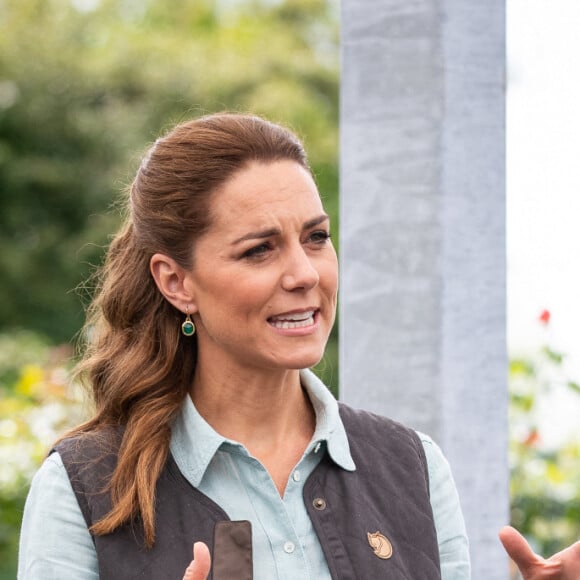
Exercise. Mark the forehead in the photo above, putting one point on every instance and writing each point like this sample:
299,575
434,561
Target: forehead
266,191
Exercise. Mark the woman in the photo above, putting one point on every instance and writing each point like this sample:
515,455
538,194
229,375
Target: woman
217,293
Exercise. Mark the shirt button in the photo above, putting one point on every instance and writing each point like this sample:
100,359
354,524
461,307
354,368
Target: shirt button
296,475
289,547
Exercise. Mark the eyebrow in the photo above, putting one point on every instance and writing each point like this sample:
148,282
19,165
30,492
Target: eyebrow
259,235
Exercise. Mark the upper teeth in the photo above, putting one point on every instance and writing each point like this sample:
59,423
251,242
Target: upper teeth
295,316
293,320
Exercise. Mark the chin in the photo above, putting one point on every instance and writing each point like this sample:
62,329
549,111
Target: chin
301,362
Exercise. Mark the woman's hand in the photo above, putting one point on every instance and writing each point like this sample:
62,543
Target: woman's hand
201,563
564,565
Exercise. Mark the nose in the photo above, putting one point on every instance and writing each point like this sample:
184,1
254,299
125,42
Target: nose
299,272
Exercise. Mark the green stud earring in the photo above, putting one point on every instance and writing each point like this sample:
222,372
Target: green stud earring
188,327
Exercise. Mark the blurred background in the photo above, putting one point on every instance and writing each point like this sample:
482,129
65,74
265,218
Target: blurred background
86,85
543,245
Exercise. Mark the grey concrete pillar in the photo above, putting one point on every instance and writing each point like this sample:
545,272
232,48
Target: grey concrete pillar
422,318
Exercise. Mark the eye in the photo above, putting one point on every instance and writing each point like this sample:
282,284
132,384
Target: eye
258,251
319,237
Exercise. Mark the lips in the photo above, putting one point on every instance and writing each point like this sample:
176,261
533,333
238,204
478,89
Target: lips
293,319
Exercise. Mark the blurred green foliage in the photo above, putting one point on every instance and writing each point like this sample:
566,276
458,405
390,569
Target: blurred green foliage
85,85
544,480
37,403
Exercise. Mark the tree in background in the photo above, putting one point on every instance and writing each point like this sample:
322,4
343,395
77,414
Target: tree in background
85,84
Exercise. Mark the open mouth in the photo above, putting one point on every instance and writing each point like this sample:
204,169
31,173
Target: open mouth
295,320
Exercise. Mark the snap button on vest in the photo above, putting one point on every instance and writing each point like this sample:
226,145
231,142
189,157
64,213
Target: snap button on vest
319,504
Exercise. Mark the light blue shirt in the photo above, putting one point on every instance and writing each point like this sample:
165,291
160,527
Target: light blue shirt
56,545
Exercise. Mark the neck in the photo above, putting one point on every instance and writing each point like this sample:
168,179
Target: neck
261,410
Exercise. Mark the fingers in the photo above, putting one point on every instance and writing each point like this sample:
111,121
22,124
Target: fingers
201,564
519,550
570,561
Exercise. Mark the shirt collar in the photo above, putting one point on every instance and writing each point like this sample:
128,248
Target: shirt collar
194,442
329,426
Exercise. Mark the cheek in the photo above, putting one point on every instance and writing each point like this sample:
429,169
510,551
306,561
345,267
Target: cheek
246,294
328,273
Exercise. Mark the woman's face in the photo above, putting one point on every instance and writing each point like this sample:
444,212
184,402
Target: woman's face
265,275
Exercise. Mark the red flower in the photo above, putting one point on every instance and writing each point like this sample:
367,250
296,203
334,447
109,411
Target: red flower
533,437
544,317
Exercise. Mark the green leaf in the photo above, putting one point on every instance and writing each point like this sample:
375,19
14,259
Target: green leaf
553,355
521,367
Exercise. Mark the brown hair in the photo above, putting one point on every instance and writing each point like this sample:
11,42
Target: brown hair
137,364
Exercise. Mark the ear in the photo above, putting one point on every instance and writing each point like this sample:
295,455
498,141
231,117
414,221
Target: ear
173,282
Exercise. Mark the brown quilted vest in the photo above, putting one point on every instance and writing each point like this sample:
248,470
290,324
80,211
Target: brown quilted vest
388,493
